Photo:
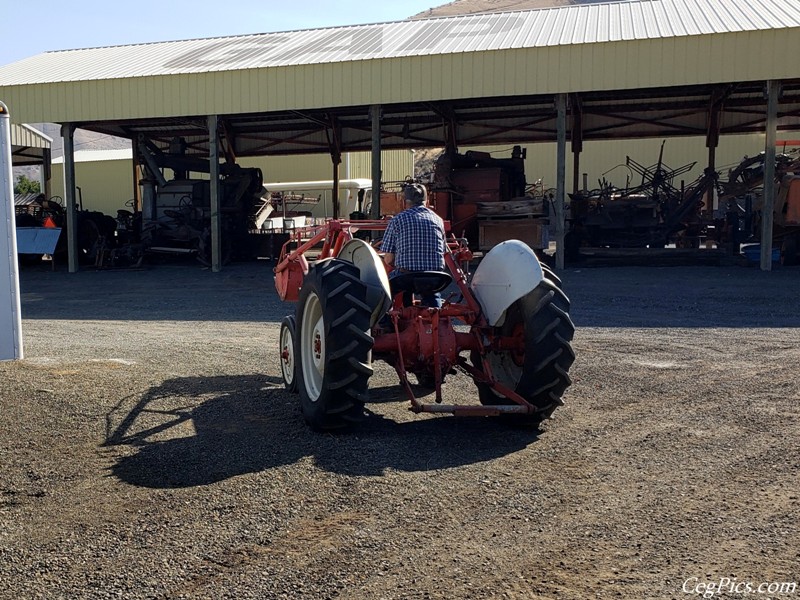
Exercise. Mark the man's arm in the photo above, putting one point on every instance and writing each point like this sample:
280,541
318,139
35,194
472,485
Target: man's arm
388,245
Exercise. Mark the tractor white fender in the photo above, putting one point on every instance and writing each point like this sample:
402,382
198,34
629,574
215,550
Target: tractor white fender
373,273
508,272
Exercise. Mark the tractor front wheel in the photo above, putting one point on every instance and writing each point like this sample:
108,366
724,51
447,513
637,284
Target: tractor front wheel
539,373
333,349
288,339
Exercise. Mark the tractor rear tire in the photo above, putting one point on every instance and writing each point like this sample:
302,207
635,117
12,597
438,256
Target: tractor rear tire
541,374
334,345
551,276
288,341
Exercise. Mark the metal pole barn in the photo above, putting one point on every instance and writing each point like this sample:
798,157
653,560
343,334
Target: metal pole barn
10,310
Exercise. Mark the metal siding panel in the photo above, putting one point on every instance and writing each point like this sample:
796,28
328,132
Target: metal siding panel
473,66
277,91
349,82
703,69
218,91
313,76
579,64
426,77
407,78
670,58
511,71
465,72
399,89
333,82
452,85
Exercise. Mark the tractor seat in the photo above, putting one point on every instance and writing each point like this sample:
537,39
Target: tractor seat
421,282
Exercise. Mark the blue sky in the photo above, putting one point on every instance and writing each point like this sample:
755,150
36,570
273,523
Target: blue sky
49,25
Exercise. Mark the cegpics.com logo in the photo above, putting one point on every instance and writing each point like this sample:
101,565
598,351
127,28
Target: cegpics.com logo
732,586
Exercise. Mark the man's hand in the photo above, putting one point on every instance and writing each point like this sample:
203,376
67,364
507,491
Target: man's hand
388,258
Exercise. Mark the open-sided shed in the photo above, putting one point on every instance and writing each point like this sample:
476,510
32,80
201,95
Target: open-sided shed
629,69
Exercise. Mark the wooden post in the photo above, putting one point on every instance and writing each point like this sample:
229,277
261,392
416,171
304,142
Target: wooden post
768,199
68,135
561,169
375,212
337,160
137,190
216,221
47,172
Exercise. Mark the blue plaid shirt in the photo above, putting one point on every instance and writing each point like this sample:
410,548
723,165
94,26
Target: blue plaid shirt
416,238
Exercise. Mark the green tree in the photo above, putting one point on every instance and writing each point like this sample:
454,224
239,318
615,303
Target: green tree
23,185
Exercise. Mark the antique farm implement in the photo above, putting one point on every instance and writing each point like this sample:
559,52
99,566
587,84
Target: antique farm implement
507,328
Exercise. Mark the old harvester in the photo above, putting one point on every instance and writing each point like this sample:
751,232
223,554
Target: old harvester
508,328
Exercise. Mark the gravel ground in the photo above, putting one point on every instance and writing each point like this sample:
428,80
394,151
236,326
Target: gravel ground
148,450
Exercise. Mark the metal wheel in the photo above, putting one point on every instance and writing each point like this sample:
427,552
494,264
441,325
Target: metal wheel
312,347
539,373
287,354
333,349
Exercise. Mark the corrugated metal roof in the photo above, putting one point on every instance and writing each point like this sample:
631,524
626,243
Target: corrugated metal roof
593,23
26,199
25,135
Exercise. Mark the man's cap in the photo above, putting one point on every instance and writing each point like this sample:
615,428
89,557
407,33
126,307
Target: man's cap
415,193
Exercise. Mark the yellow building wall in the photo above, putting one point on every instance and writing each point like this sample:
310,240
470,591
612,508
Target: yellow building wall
316,167
105,186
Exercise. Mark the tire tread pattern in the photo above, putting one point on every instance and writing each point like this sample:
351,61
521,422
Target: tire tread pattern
348,345
548,351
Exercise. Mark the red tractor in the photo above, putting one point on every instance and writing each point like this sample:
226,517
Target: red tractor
508,328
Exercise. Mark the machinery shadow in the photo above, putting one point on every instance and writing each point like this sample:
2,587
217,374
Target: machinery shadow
195,431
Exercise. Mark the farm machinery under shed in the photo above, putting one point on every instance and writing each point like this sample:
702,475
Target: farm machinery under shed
507,328
657,211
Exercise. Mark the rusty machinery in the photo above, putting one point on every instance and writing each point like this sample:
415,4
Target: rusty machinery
742,194
514,338
488,200
653,213
176,214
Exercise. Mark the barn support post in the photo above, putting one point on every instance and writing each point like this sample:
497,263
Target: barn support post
335,145
10,310
336,159
768,200
47,172
561,170
137,190
68,136
712,142
216,222
576,139
375,113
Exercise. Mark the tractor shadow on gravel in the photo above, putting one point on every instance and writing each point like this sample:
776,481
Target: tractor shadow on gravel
195,431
